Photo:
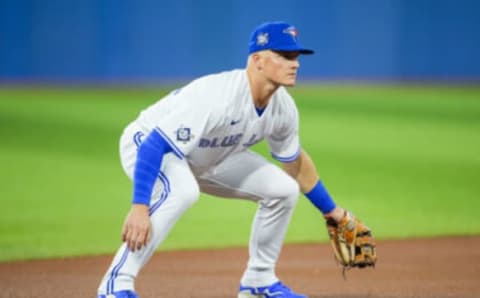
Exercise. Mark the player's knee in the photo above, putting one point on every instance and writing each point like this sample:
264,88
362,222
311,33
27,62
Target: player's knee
285,191
291,193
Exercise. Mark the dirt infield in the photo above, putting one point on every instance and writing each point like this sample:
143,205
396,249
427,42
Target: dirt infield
440,268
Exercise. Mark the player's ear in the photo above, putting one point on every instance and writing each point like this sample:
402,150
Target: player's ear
257,60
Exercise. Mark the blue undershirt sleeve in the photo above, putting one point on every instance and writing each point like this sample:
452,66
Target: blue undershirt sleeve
147,166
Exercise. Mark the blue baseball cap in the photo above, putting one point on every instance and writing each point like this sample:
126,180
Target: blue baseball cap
277,36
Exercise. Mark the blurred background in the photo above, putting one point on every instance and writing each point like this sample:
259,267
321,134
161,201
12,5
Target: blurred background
162,41
389,105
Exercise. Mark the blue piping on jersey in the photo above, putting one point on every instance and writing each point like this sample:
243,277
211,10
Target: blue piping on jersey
260,111
176,150
289,158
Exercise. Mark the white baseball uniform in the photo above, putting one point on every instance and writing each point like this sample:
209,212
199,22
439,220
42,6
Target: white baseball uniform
210,124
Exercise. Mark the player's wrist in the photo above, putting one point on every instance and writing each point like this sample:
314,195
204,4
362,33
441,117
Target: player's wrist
140,207
141,195
337,214
321,199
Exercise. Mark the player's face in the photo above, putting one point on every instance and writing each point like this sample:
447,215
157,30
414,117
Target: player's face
281,67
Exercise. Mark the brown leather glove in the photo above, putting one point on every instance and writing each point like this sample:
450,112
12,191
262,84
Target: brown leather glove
352,242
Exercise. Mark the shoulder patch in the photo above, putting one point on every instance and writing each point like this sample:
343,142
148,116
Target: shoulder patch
184,134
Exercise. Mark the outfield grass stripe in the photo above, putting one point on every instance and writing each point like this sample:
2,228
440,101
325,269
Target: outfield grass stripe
403,158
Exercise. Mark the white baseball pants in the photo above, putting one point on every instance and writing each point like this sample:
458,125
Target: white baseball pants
244,175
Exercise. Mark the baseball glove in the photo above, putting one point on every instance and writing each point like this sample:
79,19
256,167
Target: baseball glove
352,242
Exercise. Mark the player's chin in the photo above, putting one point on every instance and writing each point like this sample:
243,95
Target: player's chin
286,81
289,83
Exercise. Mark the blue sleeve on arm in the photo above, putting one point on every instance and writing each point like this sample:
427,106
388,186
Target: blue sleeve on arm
320,198
149,161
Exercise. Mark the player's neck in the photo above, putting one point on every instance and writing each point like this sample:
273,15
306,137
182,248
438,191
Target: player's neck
261,89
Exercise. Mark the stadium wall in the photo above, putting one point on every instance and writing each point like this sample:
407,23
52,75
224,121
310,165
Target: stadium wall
118,40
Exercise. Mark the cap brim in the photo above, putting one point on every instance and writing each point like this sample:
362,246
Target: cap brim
306,51
295,48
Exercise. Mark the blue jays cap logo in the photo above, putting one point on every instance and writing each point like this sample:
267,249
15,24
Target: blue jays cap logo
292,31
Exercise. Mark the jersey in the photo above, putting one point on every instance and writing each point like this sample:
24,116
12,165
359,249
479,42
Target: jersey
215,116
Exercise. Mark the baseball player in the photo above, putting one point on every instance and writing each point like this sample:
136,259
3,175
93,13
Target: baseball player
197,139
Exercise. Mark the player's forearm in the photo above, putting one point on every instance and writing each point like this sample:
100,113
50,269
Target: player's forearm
303,171
148,164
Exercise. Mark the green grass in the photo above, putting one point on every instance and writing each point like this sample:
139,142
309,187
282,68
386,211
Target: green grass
405,159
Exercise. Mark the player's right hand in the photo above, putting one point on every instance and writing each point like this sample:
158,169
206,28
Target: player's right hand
137,227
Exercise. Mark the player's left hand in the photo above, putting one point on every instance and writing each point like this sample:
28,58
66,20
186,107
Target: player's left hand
137,227
352,242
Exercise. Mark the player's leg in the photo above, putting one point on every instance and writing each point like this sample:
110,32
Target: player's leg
249,176
175,190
